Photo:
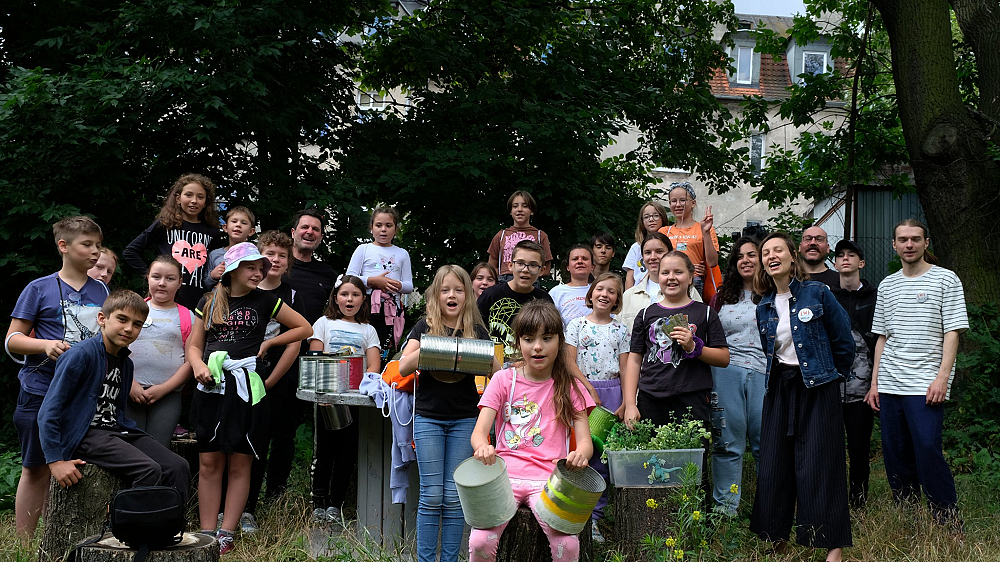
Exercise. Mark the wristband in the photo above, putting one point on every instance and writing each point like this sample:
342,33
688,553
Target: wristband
696,352
6,347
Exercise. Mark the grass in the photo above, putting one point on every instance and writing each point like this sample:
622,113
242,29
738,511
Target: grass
883,532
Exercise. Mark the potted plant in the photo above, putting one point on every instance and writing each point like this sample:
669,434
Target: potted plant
651,455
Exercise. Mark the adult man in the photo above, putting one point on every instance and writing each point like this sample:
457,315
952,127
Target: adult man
814,248
857,296
919,315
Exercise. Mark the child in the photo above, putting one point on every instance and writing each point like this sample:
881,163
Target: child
603,246
158,354
228,411
276,247
385,270
105,267
82,418
499,304
61,309
547,402
445,413
652,216
521,205
598,345
689,236
671,366
239,227
570,297
187,228
344,323
483,276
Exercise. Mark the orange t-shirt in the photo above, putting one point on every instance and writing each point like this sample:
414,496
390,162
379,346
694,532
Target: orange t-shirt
690,240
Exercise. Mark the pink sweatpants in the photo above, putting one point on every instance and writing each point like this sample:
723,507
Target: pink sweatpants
483,543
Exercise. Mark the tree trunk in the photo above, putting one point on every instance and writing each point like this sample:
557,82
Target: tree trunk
634,519
524,540
948,143
77,512
194,547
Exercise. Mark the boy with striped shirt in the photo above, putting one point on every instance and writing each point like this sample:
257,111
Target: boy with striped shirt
919,315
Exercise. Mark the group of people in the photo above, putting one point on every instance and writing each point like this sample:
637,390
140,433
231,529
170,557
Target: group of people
773,349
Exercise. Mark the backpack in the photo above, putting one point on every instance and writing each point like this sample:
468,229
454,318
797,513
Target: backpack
185,316
147,517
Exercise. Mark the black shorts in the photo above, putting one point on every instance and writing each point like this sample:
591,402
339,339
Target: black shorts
26,422
227,424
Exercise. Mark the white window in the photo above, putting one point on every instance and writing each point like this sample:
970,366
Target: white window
757,153
744,65
371,101
814,62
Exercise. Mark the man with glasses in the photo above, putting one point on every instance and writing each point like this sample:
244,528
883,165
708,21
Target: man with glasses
814,248
500,303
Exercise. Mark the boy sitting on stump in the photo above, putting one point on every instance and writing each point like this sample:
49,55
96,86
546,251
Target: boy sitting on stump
82,418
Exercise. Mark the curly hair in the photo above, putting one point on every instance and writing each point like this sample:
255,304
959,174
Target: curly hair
170,214
732,281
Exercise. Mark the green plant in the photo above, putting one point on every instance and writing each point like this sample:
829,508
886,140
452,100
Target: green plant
644,436
10,472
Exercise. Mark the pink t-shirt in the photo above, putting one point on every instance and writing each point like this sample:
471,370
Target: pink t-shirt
529,435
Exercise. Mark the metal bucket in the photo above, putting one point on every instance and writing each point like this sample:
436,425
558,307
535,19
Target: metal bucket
332,375
485,493
601,421
569,498
460,356
307,372
335,416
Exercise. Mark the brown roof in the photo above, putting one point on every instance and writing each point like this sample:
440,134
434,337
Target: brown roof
773,83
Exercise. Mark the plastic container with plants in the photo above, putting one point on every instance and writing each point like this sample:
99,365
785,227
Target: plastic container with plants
651,455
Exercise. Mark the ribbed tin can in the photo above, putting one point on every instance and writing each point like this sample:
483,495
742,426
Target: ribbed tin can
333,374
569,498
307,372
456,355
485,493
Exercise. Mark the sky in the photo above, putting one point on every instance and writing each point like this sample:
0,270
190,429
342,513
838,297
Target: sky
769,7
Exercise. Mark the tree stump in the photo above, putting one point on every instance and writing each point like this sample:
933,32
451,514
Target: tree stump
634,518
187,449
523,539
77,512
194,547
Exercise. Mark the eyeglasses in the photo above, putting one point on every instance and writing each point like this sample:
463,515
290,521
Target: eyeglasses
650,217
814,238
678,201
525,266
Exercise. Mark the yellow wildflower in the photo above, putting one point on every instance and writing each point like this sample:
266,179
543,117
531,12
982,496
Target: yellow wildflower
735,489
684,497
679,554
651,503
696,515
671,542
703,543
645,465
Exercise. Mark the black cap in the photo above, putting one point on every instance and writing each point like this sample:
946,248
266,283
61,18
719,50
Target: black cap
849,245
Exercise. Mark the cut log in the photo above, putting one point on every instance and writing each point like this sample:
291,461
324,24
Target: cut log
77,512
187,448
194,547
634,518
523,539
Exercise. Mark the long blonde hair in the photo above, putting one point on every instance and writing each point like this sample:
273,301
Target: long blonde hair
217,305
468,319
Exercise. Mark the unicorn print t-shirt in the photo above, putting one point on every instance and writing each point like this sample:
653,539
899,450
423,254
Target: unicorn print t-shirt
189,243
372,260
529,435
58,312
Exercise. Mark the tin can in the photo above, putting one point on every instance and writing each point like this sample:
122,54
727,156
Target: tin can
307,372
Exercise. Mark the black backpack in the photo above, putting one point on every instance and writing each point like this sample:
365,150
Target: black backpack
144,518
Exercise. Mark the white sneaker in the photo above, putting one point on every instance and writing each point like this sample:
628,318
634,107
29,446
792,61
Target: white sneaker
595,533
248,524
333,515
320,517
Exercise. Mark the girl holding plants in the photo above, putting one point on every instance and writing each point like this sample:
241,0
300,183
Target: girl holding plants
806,338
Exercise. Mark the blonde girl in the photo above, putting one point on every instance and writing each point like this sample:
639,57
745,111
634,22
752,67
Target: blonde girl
445,413
652,217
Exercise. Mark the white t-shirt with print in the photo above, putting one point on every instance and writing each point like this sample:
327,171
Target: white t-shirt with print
335,334
598,347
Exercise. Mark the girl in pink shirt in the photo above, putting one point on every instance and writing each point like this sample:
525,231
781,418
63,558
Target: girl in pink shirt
539,403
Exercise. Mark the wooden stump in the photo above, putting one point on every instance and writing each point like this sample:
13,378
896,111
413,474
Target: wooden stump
187,449
194,547
77,512
634,519
523,540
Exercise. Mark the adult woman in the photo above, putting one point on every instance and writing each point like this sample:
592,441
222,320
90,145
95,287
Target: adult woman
689,235
652,216
740,386
806,337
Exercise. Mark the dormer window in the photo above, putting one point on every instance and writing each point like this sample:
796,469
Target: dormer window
814,62
744,25
744,65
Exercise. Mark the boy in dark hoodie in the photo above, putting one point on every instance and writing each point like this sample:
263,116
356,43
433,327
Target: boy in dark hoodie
857,296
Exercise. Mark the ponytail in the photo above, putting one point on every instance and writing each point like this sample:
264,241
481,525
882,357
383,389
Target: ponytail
217,305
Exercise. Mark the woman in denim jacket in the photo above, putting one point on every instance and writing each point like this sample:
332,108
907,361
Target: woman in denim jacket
806,337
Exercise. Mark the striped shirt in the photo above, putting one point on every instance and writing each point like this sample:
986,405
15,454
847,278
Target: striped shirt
914,314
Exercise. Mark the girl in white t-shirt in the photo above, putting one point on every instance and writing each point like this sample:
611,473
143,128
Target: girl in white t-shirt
158,354
652,217
385,271
570,298
344,323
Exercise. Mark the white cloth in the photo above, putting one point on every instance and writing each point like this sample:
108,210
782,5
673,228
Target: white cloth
571,301
398,407
633,261
784,346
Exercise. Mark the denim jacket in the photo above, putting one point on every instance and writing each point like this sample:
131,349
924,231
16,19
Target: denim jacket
821,332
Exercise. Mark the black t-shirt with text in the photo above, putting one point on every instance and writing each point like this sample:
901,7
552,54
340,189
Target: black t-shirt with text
435,398
243,333
106,416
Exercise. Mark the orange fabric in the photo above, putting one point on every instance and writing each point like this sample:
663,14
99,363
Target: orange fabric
712,284
403,383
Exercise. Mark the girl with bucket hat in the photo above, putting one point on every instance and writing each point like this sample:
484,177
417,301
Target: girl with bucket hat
229,411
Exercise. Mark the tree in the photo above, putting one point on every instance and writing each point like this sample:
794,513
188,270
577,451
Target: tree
526,95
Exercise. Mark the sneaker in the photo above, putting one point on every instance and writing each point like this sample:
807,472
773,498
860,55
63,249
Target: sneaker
227,542
320,516
333,515
595,533
248,524
181,433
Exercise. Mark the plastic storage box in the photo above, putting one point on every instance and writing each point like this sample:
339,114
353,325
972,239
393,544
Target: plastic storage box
652,468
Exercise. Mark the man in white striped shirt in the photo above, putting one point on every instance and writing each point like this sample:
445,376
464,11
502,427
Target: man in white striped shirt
919,315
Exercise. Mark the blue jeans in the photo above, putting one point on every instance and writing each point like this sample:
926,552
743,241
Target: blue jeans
911,445
740,393
441,446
